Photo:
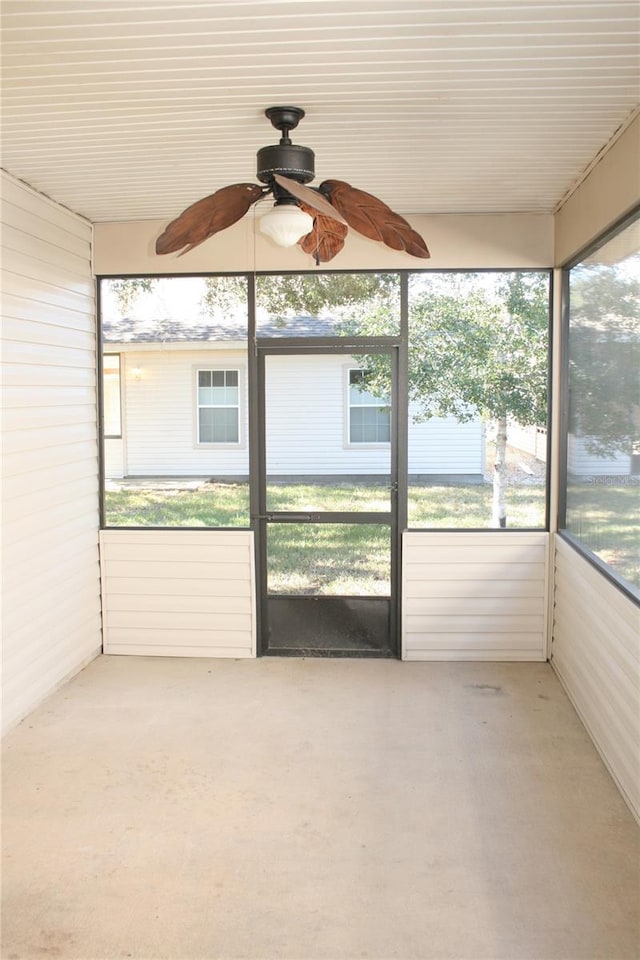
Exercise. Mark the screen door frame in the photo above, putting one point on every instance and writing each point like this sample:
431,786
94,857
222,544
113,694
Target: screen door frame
262,517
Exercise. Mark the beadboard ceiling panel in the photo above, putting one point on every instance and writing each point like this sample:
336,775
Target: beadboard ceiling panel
133,110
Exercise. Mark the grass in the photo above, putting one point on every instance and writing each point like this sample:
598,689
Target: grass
342,560
227,504
606,518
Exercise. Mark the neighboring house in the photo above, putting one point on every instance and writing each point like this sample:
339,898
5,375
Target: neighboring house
175,405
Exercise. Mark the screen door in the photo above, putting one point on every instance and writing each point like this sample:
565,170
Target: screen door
327,494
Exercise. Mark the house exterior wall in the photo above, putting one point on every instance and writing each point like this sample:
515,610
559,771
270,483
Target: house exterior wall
582,463
596,626
306,422
50,570
159,415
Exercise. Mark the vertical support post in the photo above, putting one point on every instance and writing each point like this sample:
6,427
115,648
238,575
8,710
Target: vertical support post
254,450
402,427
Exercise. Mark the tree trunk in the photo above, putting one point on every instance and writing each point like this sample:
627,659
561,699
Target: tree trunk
499,511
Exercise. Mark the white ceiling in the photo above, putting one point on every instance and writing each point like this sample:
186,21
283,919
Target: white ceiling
133,109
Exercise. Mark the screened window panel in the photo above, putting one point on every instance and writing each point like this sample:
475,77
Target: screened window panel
603,442
218,425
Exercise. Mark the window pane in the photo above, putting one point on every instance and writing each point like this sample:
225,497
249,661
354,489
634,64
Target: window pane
176,333
603,445
370,425
218,425
478,361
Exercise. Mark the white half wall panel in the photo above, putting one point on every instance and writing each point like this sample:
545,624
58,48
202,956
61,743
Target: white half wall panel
50,567
179,593
474,596
596,653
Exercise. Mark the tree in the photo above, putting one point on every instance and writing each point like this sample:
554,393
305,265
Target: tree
476,351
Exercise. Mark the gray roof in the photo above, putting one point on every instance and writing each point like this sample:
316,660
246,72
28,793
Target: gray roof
130,330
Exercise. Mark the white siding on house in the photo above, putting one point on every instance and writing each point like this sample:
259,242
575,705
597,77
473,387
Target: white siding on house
114,458
474,596
159,415
187,593
596,653
50,567
307,426
442,445
582,463
306,419
306,422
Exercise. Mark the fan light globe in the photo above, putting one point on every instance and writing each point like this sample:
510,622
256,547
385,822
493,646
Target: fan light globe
285,224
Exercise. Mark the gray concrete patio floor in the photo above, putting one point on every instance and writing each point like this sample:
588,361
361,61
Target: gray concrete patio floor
334,809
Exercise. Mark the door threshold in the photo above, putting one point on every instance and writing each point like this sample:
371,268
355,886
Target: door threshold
314,652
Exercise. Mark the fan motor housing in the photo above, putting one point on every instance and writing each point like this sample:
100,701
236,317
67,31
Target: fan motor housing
289,160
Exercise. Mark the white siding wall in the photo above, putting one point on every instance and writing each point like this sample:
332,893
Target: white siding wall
113,458
596,653
307,426
531,440
306,422
474,596
442,445
180,593
582,463
159,415
50,575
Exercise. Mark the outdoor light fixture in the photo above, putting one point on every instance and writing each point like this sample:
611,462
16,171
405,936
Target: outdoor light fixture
286,223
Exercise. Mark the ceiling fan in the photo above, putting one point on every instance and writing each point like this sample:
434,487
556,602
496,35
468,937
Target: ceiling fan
318,218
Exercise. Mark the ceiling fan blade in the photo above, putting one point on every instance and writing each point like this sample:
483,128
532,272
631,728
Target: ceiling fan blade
373,218
326,239
312,198
208,216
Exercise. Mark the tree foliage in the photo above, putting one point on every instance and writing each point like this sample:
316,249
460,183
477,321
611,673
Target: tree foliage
476,351
127,290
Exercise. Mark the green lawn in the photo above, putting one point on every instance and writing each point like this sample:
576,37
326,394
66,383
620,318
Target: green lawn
227,504
606,518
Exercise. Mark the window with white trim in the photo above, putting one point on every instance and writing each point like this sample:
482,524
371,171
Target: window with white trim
218,406
369,416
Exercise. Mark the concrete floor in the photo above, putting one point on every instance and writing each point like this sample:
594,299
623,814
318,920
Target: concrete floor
307,809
